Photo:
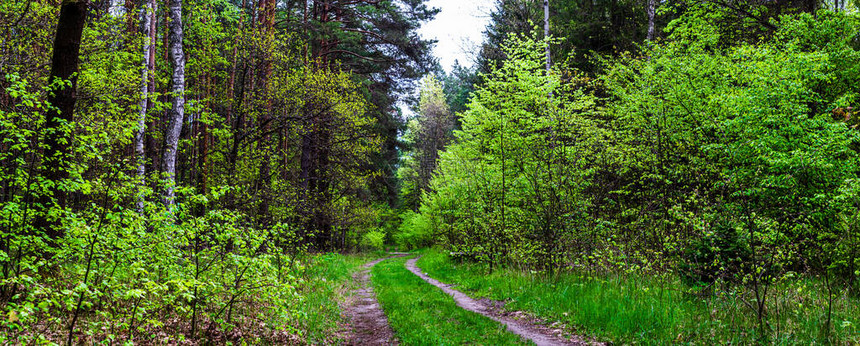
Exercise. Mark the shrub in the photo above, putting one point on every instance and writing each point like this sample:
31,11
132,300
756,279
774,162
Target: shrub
374,240
415,231
717,254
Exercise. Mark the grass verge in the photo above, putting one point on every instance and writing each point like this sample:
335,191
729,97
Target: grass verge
421,314
650,309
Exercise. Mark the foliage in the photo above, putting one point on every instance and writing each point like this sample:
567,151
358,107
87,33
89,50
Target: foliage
378,42
739,136
373,240
718,255
729,162
415,231
115,269
275,159
427,134
722,159
585,29
458,87
508,188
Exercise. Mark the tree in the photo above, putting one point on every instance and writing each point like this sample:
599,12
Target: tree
458,86
587,27
435,127
546,32
510,187
651,9
228,240
377,40
428,134
176,113
754,172
147,26
60,117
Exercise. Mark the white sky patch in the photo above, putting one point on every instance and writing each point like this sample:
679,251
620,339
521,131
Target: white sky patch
458,28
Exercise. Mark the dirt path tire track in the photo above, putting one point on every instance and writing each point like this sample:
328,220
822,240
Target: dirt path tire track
368,324
538,334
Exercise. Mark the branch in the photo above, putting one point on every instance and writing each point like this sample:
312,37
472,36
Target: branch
353,54
746,13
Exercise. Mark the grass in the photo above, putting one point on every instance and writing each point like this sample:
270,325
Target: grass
654,309
421,314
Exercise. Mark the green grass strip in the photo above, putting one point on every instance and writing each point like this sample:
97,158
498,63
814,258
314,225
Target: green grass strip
421,314
606,309
645,309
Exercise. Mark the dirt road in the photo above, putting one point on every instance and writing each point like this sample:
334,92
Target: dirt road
368,324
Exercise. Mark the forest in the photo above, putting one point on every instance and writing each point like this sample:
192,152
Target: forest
617,171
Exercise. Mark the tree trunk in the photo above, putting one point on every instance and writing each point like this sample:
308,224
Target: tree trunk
307,178
154,123
652,12
315,198
64,66
177,108
322,213
146,23
131,23
546,31
203,142
266,16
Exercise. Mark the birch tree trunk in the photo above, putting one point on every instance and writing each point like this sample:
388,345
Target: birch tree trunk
652,11
177,107
546,31
147,27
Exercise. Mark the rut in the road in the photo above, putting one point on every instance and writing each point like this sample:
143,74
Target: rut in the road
538,334
368,324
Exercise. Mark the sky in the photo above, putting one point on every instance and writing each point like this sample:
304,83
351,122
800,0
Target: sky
458,28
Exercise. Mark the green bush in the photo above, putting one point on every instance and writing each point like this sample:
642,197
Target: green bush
842,247
374,240
205,273
414,232
718,254
741,133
